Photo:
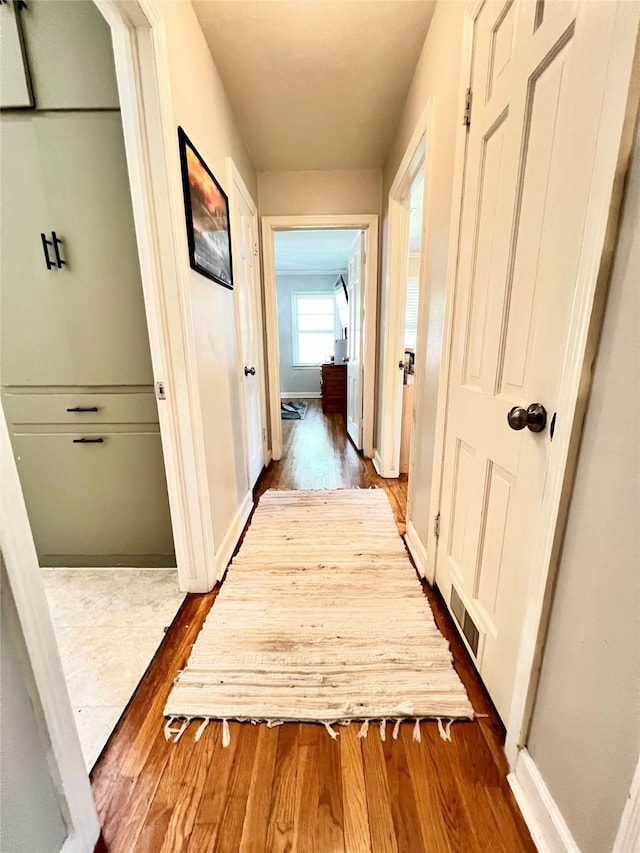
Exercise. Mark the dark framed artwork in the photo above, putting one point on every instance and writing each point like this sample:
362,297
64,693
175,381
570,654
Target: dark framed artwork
206,208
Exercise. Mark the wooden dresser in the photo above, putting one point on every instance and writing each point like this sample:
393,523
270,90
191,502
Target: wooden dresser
333,384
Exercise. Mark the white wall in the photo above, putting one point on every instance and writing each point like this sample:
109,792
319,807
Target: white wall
437,76
298,380
585,734
31,818
200,106
319,193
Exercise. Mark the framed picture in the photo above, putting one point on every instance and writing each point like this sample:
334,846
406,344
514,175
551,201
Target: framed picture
206,208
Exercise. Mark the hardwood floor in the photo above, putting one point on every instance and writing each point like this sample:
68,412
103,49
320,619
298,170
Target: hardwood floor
293,788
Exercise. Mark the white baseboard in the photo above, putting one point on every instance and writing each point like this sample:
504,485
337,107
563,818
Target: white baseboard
388,474
231,537
300,395
416,548
546,824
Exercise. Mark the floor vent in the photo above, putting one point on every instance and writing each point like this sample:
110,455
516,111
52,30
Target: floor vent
465,621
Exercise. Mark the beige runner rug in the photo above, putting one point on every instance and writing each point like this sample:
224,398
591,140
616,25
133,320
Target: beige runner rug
321,618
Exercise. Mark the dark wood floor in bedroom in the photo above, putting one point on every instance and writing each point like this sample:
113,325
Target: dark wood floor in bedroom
292,788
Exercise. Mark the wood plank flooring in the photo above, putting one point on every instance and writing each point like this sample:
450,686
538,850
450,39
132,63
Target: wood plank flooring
292,788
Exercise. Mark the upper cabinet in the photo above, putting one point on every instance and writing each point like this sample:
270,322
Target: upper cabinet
15,82
39,61
72,306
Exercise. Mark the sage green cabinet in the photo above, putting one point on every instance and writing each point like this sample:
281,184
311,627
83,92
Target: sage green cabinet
96,503
64,49
66,173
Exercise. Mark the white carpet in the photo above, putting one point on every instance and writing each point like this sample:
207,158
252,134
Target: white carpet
321,618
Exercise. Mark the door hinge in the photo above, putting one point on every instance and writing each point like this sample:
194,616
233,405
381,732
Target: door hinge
161,393
466,119
436,526
264,435
255,247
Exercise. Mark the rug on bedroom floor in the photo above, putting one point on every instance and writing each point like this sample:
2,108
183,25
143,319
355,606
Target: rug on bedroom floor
293,411
321,618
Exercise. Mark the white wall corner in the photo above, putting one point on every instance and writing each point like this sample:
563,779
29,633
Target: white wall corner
628,835
232,536
546,824
416,548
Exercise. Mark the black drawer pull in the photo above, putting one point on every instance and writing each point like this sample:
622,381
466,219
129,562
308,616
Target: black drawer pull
56,243
83,409
88,440
45,243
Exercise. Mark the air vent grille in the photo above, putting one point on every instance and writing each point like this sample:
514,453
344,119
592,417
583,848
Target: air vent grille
465,621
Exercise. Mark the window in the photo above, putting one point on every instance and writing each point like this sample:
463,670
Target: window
314,327
411,314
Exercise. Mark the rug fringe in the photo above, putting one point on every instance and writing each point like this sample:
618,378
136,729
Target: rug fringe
173,733
445,731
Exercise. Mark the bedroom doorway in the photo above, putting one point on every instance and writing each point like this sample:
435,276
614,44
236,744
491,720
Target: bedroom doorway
320,299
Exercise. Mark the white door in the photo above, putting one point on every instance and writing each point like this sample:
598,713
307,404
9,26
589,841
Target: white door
354,342
245,248
537,81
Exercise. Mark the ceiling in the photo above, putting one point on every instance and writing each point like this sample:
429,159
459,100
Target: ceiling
316,84
313,251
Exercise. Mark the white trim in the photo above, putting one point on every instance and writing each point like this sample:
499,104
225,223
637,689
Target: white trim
416,157
300,395
546,824
44,676
144,89
377,463
628,835
457,187
364,222
238,186
416,548
617,125
232,536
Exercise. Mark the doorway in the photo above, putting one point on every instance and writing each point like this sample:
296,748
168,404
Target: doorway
320,288
77,380
406,305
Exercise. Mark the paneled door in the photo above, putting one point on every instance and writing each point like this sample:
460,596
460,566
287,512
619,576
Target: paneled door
250,319
538,79
355,342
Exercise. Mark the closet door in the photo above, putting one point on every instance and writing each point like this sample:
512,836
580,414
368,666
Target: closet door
83,323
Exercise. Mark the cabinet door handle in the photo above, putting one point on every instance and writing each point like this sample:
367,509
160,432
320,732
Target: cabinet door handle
88,440
83,409
45,244
56,242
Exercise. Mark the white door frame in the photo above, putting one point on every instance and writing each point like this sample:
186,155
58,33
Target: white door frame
417,156
364,222
620,106
145,102
238,188
43,673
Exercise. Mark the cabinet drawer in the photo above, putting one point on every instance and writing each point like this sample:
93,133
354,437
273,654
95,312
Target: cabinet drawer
95,499
22,409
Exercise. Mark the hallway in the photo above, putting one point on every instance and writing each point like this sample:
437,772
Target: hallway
292,788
